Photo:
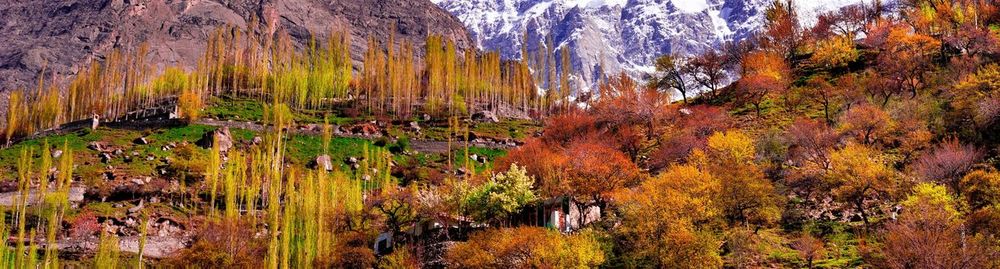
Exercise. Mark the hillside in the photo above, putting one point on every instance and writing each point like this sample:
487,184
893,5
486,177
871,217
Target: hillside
867,138
63,37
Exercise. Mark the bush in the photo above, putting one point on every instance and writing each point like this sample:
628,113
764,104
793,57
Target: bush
526,247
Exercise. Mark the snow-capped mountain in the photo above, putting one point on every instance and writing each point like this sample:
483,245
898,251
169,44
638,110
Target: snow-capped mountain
616,35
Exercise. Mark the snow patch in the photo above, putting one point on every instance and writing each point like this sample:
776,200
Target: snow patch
591,4
690,6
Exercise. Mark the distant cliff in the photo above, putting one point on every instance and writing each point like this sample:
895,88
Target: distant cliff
63,35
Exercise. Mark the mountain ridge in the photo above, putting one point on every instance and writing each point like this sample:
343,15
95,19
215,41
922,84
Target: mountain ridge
64,35
616,35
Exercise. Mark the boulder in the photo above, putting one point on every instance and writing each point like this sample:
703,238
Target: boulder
257,140
323,162
414,126
485,116
95,121
221,136
57,153
141,141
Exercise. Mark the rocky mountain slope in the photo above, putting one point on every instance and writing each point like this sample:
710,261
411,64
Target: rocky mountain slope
618,35
62,35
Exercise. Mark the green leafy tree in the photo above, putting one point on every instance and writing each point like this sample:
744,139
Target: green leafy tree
501,196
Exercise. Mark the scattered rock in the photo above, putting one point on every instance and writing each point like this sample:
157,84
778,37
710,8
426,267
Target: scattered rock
118,152
57,153
139,182
323,162
141,141
414,126
167,227
365,129
136,209
312,127
256,140
96,146
485,116
474,157
425,117
105,158
352,160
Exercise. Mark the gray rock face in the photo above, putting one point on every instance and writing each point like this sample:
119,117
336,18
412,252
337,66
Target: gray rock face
63,36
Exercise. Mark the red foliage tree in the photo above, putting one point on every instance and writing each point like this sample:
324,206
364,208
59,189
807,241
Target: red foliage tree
947,163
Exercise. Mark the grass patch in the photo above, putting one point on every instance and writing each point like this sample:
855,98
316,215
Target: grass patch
490,154
245,109
516,129
228,108
301,149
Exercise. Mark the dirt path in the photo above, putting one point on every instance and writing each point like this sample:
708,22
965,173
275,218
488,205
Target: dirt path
8,198
156,247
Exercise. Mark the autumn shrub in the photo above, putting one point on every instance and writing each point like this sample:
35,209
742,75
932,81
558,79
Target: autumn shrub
526,247
809,248
224,244
834,52
563,128
929,234
400,258
188,163
946,163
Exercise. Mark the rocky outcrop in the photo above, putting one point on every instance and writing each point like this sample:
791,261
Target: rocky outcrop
62,36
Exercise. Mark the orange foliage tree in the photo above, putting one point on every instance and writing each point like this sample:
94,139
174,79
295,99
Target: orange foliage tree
860,175
667,220
764,74
746,197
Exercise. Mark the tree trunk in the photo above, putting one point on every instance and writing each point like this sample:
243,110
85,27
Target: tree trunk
861,209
